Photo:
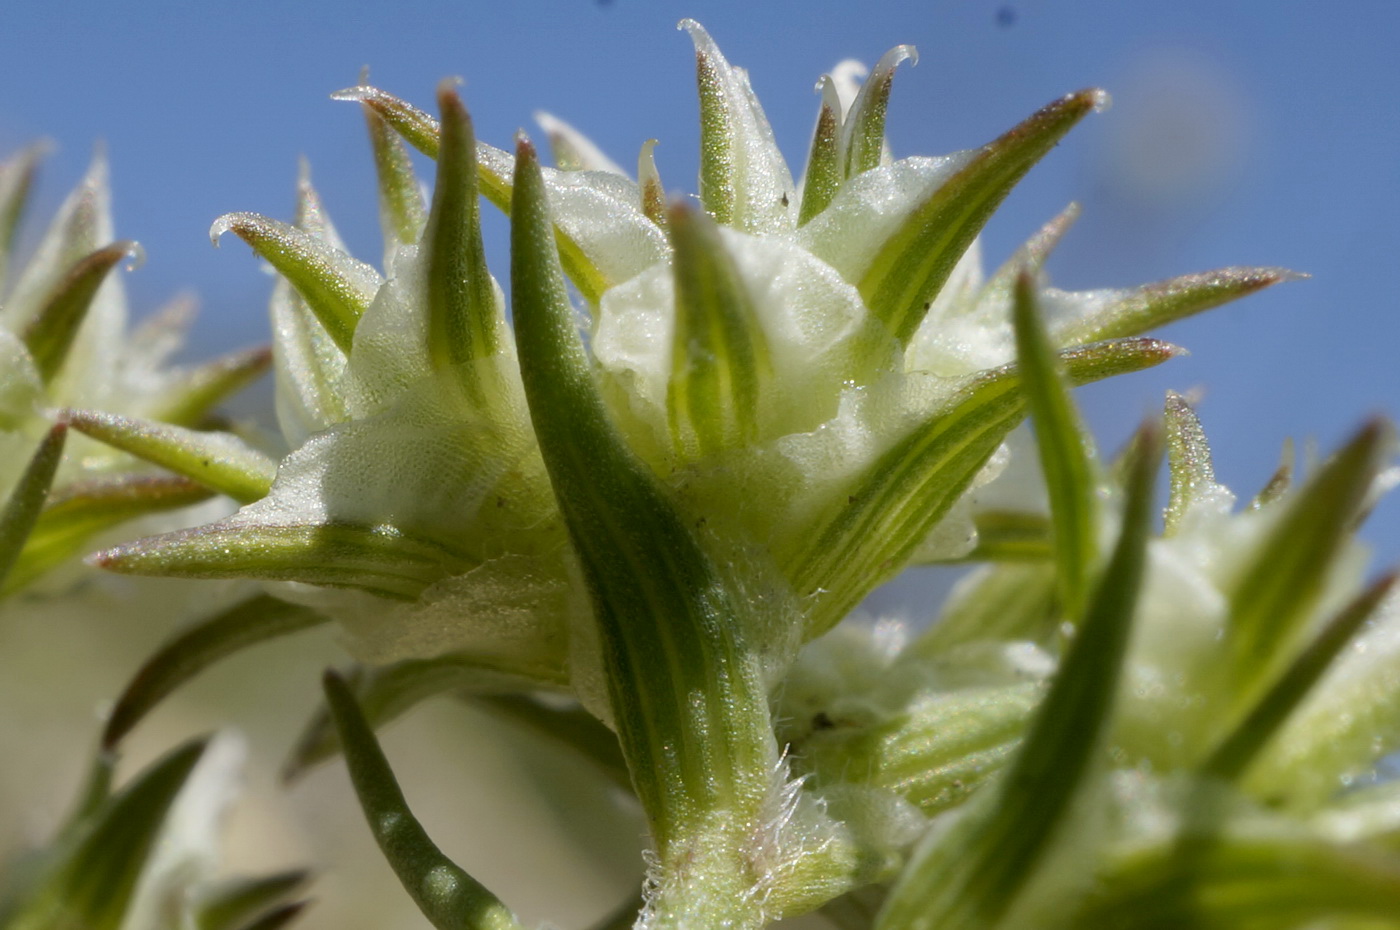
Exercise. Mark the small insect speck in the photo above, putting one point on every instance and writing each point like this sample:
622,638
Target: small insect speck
1006,16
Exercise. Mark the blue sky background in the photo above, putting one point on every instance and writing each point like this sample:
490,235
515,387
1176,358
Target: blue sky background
1241,133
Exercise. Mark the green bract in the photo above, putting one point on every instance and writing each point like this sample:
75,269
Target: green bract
662,502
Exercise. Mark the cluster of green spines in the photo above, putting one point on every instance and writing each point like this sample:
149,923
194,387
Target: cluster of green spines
641,523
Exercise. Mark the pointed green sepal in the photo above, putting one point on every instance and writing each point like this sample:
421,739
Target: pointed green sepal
1188,461
232,905
1030,257
864,129
449,897
255,620
1064,454
649,179
75,512
220,461
969,877
335,286
1151,306
1282,580
493,168
92,884
26,501
824,170
687,697
380,560
744,182
191,399
464,319
912,266
572,150
385,692
401,212
1279,483
719,353
1240,747
16,181
50,333
875,528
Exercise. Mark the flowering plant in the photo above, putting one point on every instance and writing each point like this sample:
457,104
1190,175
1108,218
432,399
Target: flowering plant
643,538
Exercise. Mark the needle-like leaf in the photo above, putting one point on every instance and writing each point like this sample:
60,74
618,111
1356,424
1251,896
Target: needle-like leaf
914,263
255,620
1064,456
220,461
449,897
26,501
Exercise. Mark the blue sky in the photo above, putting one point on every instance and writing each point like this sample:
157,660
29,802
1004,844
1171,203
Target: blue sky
1241,133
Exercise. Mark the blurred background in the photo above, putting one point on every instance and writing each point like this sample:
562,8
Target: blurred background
1251,132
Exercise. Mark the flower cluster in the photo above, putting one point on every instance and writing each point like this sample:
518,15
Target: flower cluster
788,391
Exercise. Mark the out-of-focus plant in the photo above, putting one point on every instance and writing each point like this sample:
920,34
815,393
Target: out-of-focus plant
144,854
641,539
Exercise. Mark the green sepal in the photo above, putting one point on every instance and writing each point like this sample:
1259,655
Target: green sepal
252,621
1011,536
824,169
198,391
493,176
912,266
26,500
1064,454
863,135
1152,306
1263,881
719,353
1188,460
649,180
385,692
1281,581
337,288
934,754
75,512
92,882
49,334
1234,754
969,877
875,528
220,461
1029,257
401,211
233,904
449,897
16,181
379,560
744,182
690,709
464,320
